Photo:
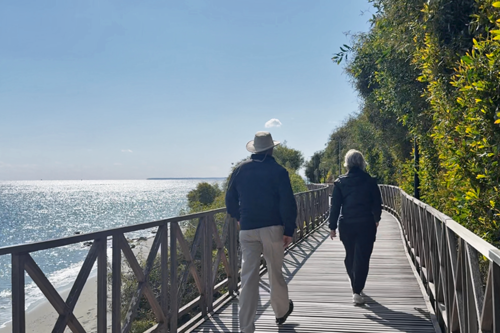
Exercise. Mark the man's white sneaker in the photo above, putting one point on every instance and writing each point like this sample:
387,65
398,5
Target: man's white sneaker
358,299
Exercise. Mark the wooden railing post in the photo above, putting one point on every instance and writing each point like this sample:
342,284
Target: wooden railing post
233,256
306,212
102,292
207,265
174,306
496,296
301,216
325,202
116,326
18,294
313,209
312,205
164,275
202,227
298,222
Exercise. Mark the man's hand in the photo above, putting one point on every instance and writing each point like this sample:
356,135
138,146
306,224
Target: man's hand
333,234
287,240
376,224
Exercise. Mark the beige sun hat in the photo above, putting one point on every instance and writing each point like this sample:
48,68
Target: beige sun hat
262,142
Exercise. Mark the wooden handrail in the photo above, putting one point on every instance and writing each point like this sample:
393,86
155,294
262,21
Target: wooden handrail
49,244
460,271
202,258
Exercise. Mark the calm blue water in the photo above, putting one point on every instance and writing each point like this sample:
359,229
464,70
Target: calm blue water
32,211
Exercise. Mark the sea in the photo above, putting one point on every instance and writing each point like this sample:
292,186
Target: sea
34,211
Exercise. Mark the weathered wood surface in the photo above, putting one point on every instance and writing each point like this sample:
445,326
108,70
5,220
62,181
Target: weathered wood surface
320,289
456,267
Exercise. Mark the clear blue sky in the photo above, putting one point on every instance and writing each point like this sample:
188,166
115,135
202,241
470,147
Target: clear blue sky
137,89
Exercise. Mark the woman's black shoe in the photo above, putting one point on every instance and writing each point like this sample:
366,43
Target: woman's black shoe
281,321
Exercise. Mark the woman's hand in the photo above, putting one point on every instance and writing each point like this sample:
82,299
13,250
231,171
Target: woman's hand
333,233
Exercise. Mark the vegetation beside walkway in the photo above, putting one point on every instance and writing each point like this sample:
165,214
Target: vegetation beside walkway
428,74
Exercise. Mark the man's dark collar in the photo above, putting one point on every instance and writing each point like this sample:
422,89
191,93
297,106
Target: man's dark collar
260,157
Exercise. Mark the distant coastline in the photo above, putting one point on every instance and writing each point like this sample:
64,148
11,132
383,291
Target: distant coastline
186,178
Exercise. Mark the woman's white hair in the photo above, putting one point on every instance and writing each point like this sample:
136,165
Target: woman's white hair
354,159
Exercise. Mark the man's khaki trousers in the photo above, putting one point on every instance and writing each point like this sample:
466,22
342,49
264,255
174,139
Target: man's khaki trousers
268,241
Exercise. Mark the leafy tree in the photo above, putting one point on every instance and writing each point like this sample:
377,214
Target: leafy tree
204,194
427,73
297,182
314,171
288,157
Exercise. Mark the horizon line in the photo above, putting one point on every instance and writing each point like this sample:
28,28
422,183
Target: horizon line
166,178
154,178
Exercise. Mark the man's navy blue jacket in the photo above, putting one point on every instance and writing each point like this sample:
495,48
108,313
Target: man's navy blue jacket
260,195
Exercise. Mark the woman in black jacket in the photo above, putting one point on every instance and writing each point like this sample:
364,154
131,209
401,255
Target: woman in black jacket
357,206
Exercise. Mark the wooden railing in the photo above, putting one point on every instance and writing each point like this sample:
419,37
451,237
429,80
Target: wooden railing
460,271
215,242
313,186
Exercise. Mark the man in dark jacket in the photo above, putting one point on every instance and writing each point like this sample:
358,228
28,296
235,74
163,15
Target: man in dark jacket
357,206
260,197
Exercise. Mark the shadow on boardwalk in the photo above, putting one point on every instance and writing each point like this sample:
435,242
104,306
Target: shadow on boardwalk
322,296
293,262
396,320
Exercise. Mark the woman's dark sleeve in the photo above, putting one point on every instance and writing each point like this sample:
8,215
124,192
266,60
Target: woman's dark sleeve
377,202
336,203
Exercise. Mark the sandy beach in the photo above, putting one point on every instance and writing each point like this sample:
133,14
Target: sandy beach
43,317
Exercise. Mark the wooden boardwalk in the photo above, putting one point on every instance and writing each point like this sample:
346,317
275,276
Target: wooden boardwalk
320,289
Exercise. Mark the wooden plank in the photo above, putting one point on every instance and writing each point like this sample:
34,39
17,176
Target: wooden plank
142,278
188,255
476,285
221,254
457,310
77,288
51,294
487,308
